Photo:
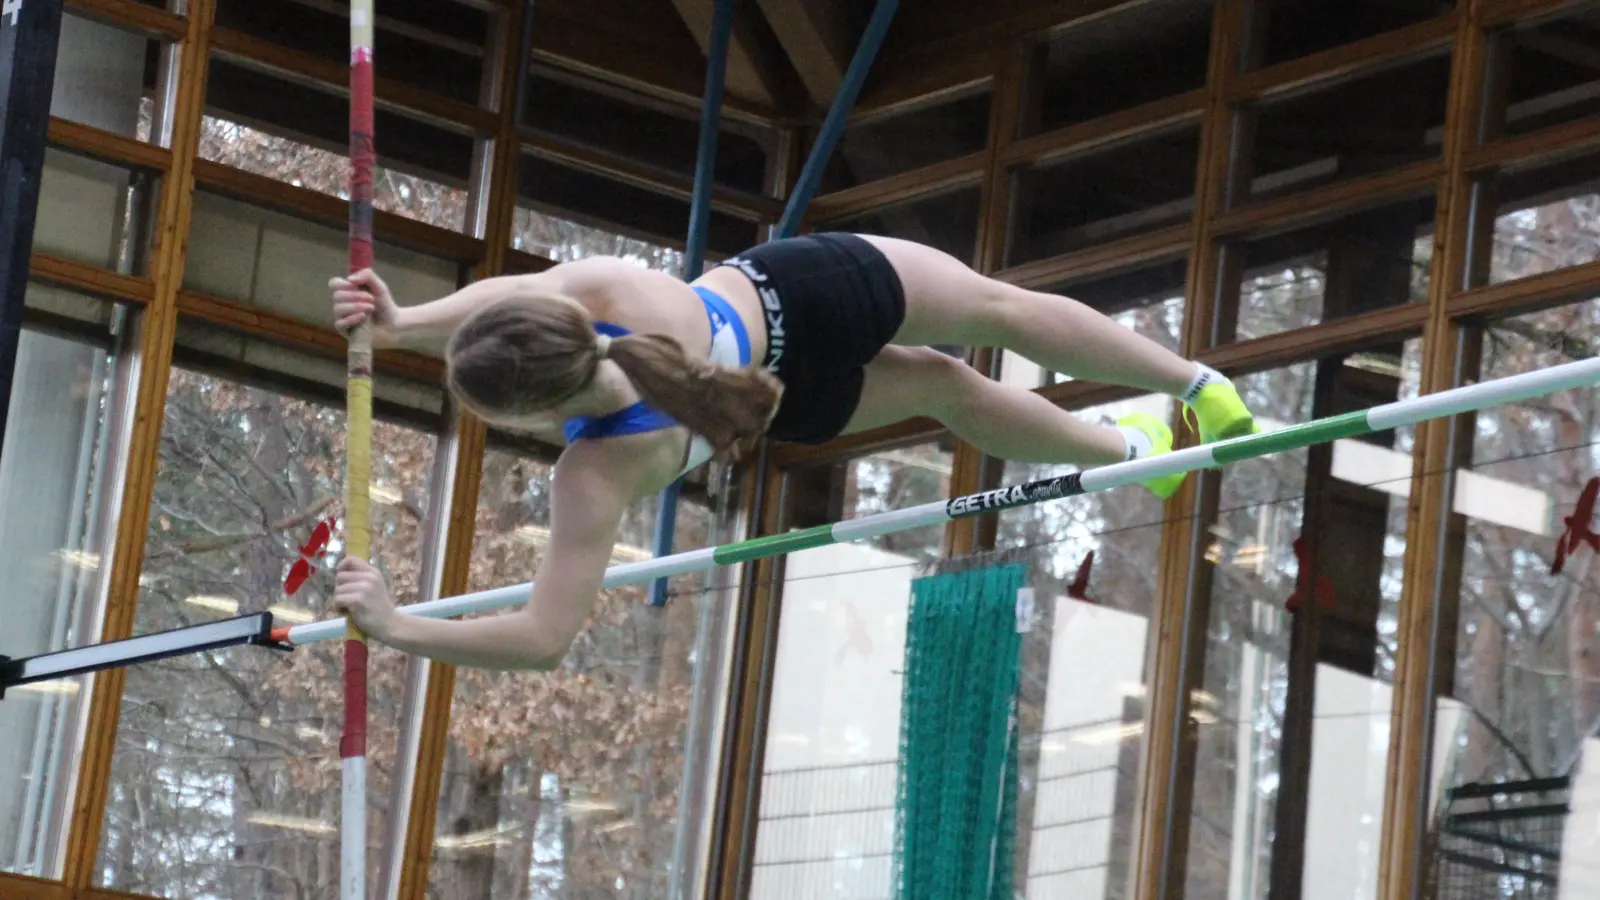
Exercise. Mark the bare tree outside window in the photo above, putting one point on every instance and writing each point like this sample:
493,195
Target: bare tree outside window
225,777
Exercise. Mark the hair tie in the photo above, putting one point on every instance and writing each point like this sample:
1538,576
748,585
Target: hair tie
602,343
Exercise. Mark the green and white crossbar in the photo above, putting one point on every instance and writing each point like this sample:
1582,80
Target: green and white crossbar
1511,389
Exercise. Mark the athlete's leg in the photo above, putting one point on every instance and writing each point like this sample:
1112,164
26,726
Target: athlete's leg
1003,421
949,303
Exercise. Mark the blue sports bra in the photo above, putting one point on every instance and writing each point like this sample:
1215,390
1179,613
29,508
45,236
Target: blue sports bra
730,346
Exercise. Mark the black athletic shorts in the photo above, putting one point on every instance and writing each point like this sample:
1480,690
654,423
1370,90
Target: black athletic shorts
832,301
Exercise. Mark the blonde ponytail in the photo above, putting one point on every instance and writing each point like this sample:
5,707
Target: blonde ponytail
527,354
730,408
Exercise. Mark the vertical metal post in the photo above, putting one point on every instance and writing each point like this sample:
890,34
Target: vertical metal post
833,125
793,213
694,256
29,33
705,165
520,91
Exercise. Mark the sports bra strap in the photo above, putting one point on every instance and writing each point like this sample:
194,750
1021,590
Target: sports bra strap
730,346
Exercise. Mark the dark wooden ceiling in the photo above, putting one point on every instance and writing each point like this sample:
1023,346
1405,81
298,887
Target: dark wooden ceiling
623,78
788,57
786,61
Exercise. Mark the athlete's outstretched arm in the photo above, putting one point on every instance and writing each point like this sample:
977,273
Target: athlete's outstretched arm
432,323
586,507
364,295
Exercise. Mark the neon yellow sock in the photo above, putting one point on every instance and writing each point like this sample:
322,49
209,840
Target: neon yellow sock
1157,440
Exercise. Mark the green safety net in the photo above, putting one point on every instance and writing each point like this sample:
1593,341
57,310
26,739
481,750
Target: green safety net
956,805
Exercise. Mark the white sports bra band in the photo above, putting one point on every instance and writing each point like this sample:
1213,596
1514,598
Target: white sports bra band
728,348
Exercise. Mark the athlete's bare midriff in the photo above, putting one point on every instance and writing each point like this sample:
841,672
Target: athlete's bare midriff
741,295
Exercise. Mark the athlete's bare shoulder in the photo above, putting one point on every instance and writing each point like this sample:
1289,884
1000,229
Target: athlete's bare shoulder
596,277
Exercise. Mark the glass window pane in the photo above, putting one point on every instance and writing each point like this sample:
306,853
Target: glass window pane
282,263
1081,704
55,478
1355,263
828,790
564,240
570,783
1546,218
254,360
1321,526
1286,29
1543,73
1148,300
594,200
225,777
1146,52
948,221
1130,188
92,212
1523,680
106,77
302,165
886,145
1370,124
897,479
299,134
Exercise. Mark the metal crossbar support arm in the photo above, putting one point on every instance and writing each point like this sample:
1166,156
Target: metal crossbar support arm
805,187
1584,373
694,255
524,58
255,629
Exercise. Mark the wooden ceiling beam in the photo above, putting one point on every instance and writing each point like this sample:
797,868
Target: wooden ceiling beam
931,31
635,64
819,38
757,70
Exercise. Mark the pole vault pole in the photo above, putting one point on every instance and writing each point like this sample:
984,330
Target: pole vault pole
1512,389
358,464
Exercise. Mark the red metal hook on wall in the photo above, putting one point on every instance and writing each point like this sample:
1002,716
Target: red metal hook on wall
302,568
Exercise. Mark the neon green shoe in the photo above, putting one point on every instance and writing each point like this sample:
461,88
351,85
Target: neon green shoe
1220,414
1163,486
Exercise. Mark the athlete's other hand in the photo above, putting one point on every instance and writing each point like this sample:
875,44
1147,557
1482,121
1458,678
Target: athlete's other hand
359,592
363,297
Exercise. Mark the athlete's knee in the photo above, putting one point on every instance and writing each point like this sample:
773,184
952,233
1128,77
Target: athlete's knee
1002,312
944,385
